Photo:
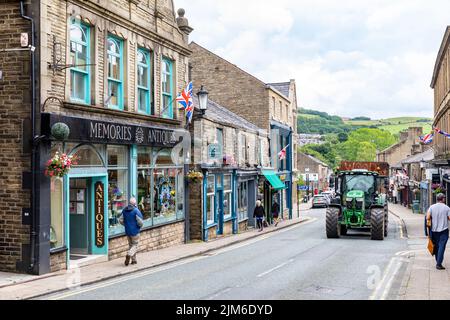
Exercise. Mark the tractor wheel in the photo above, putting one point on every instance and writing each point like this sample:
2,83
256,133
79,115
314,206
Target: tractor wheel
333,227
386,224
343,230
377,223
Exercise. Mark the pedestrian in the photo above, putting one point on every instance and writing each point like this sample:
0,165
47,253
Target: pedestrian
133,221
276,212
395,195
259,215
438,217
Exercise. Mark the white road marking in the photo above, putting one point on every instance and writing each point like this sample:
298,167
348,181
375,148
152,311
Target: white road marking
171,266
274,269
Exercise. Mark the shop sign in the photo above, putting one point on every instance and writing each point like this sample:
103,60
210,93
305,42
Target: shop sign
99,215
96,131
215,152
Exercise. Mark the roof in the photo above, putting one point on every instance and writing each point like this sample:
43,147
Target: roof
221,114
440,56
282,87
314,159
424,156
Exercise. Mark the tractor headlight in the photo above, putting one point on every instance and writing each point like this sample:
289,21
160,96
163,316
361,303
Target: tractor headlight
349,203
359,203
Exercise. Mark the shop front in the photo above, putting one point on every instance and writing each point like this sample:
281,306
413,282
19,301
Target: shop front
114,162
271,190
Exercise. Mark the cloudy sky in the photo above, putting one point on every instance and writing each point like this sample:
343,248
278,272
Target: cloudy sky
349,57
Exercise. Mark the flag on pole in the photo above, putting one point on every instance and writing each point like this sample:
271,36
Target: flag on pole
186,101
283,153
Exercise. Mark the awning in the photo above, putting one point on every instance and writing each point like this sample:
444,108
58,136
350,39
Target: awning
272,177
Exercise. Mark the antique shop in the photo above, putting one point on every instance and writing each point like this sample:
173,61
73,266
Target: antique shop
112,162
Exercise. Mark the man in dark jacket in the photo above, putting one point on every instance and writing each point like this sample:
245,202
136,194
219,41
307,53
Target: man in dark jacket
133,221
259,215
276,212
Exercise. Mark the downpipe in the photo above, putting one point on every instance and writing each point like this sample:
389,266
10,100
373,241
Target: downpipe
33,232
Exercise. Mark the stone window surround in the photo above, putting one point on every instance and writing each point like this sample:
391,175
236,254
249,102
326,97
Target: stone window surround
157,53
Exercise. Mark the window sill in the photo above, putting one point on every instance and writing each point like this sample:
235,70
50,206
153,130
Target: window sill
58,250
212,225
228,219
119,113
243,220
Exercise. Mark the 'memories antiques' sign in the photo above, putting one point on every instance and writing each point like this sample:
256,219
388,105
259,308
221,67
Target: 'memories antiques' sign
96,131
99,207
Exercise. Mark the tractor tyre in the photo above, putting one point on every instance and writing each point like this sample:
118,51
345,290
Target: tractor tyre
378,224
344,230
332,225
386,224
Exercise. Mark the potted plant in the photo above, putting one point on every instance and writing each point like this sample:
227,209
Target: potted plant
59,165
194,176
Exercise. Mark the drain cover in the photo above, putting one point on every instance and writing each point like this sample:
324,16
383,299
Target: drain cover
335,291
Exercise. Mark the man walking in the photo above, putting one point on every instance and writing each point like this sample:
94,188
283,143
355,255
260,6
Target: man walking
133,221
438,217
275,212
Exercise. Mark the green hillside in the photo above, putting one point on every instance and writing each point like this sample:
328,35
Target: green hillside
395,125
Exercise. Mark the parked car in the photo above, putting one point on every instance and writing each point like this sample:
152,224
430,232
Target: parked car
320,202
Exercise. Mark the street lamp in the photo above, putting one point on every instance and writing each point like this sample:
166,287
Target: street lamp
203,99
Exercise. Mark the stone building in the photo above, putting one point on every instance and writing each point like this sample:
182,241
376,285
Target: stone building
229,152
101,78
314,171
271,107
408,145
441,85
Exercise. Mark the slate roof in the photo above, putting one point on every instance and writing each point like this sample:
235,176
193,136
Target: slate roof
282,87
315,159
424,156
221,114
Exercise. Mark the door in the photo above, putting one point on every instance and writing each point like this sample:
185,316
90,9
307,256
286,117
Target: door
219,206
79,216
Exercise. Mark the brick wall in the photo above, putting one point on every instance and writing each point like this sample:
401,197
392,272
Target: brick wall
153,239
196,210
243,226
58,261
15,106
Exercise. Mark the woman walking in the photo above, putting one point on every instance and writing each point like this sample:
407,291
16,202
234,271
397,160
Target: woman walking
259,215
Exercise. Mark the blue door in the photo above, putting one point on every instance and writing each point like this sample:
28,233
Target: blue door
79,216
219,206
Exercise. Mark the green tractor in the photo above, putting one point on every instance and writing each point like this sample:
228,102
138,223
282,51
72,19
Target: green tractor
359,204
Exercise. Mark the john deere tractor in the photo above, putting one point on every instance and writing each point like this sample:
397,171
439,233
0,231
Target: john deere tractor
359,204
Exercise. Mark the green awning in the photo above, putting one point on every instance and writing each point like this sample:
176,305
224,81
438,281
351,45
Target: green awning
272,177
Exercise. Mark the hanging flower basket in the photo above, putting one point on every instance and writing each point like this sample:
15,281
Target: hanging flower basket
195,176
59,165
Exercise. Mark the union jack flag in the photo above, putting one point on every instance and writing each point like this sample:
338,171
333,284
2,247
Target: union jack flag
185,99
442,132
427,139
283,153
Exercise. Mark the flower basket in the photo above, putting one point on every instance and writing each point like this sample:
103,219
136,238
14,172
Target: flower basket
195,176
59,165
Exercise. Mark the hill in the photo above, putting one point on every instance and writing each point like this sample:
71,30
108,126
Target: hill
395,125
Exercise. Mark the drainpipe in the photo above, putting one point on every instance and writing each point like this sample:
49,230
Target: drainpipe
33,232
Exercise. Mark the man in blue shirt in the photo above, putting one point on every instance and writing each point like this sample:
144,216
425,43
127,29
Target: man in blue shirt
133,221
438,217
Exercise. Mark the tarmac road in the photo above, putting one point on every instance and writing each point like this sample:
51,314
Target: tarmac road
297,263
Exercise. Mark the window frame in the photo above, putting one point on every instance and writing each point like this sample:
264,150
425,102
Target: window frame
228,195
164,94
118,82
148,90
242,215
212,197
86,29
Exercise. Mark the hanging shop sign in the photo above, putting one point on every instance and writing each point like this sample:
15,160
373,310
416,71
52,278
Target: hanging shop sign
99,215
96,131
215,152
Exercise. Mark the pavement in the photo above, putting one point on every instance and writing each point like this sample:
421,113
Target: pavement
421,281
19,287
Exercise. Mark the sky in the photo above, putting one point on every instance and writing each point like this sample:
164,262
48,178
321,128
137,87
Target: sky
349,58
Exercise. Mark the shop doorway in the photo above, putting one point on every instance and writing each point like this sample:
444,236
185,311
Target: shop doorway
219,207
79,218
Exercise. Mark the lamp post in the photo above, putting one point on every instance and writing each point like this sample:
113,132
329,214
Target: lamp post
307,183
203,99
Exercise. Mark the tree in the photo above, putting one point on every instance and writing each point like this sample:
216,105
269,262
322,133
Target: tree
342,137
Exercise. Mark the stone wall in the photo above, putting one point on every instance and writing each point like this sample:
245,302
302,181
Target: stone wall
58,261
15,104
153,239
196,210
243,226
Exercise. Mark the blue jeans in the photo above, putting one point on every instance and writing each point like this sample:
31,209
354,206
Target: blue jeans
440,240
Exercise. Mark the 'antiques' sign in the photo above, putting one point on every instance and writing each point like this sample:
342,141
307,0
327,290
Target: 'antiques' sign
99,215
96,131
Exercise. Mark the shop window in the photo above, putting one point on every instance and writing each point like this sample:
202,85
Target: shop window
167,88
144,81
211,200
160,189
80,58
228,196
115,73
118,194
87,156
57,213
243,201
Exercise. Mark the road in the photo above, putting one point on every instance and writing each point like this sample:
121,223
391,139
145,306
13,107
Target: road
297,263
